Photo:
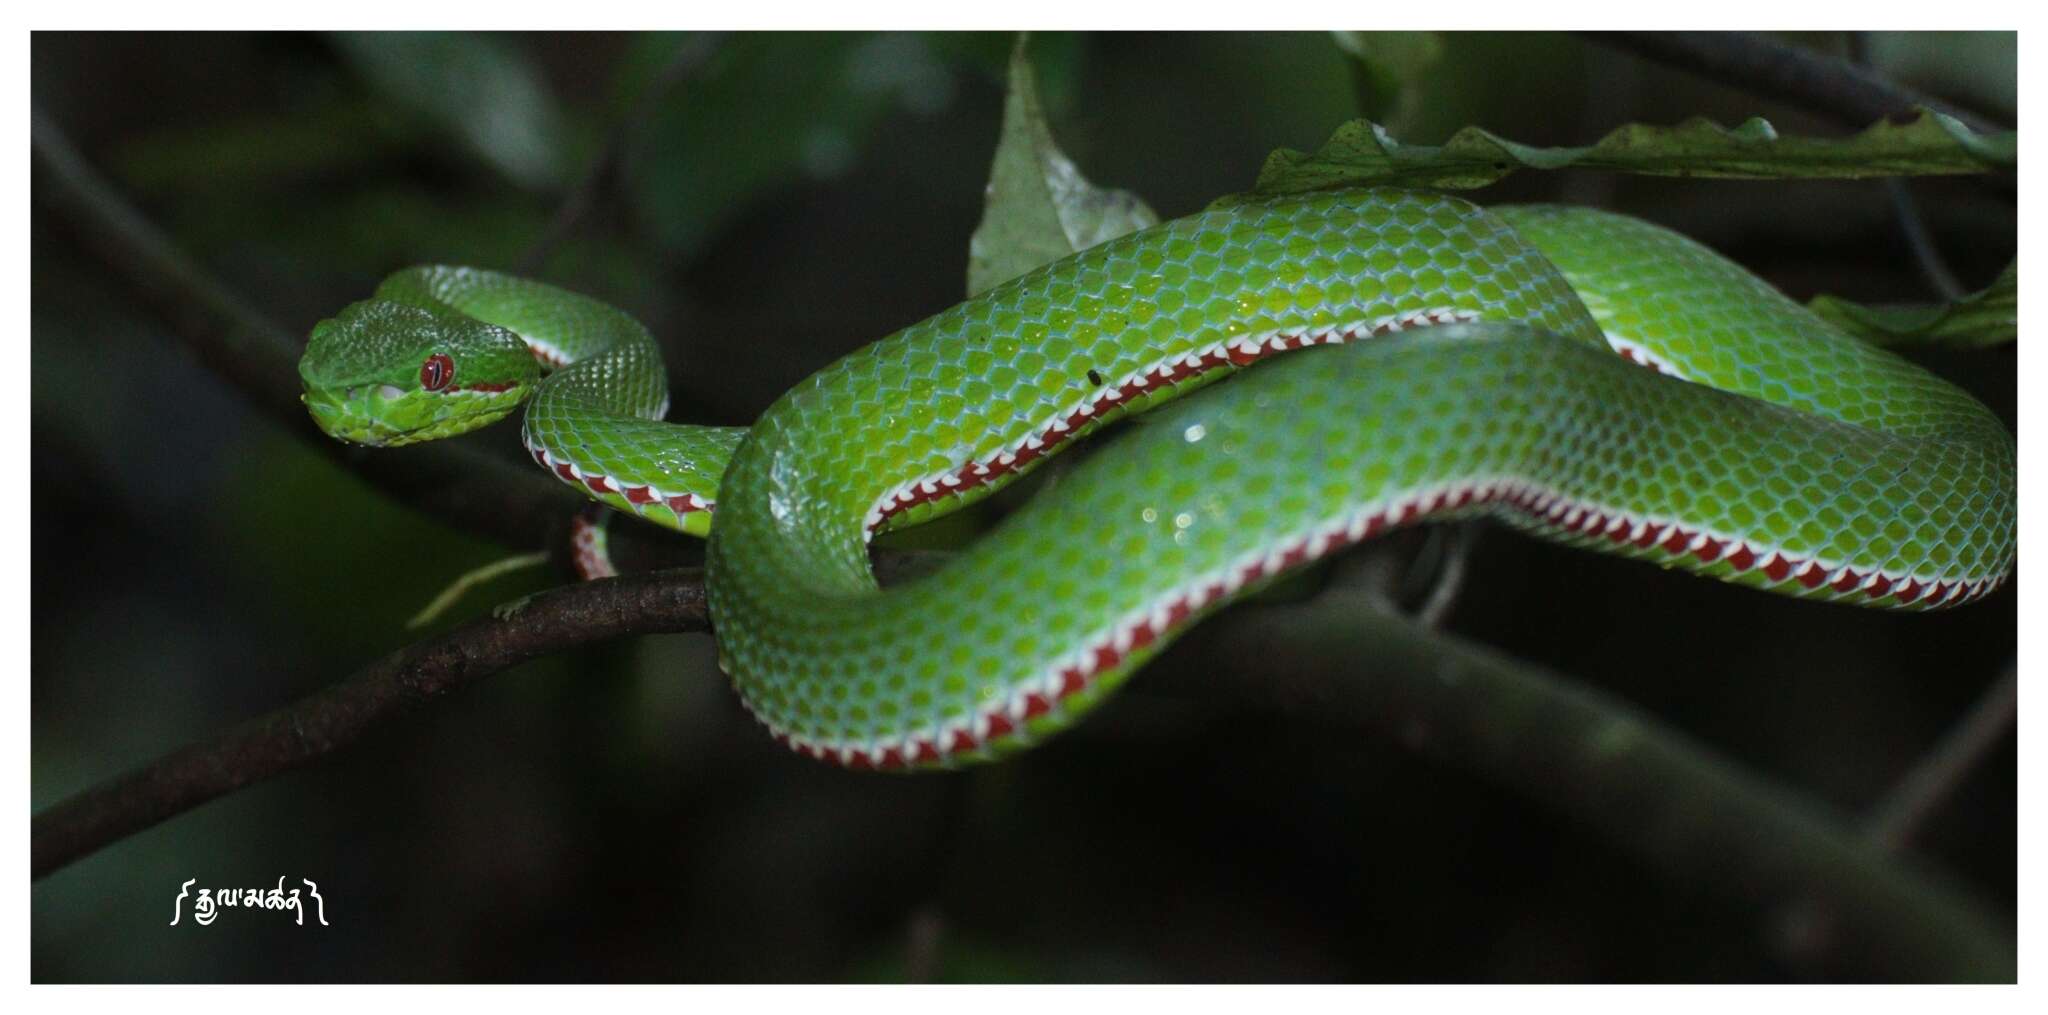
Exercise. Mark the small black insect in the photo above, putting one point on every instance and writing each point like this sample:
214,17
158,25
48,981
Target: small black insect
1095,378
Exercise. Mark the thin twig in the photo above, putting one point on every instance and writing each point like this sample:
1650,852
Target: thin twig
1901,814
1341,658
1456,542
1906,209
460,586
689,57
1668,800
478,493
318,725
654,602
1808,928
1920,239
1763,66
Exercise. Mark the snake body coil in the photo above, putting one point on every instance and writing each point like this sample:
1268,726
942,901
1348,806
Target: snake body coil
1475,372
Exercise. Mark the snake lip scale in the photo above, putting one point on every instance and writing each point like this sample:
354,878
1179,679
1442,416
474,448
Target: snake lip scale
1525,502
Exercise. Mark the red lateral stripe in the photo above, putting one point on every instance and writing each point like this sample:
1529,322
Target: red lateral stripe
586,553
1235,353
1153,627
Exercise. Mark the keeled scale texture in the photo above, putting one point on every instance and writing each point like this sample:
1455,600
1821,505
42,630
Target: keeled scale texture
596,421
1030,626
1937,472
1801,461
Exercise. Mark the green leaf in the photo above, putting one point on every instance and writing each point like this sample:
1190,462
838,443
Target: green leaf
477,88
1361,152
1988,317
1387,67
1040,208
767,110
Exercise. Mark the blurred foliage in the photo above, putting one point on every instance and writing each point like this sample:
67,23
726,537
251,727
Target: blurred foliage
771,108
1362,152
263,151
479,88
1989,316
1040,208
1387,70
613,814
1974,67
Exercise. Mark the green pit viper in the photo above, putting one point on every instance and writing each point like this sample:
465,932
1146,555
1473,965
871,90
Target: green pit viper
1469,368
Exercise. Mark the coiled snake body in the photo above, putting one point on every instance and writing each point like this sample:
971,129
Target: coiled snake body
1474,371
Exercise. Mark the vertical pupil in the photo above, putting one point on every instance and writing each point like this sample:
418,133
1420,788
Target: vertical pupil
434,372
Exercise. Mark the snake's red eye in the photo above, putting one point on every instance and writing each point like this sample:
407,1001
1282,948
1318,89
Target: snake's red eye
437,371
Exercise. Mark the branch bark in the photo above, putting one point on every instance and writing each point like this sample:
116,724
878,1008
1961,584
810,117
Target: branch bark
1760,65
656,602
1671,802
478,493
1649,789
329,720
1899,817
1340,658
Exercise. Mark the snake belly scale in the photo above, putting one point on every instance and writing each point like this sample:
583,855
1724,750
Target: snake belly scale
1473,371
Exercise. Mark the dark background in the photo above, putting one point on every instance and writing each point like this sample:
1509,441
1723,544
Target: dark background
613,814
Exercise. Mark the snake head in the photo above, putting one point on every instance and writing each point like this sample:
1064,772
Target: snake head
385,373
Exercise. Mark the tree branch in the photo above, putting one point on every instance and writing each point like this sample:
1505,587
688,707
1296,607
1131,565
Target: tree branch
1898,817
479,493
1667,800
1808,926
1763,66
326,721
1647,788
656,602
1340,658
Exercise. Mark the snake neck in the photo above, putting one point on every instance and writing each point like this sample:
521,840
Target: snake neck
595,420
